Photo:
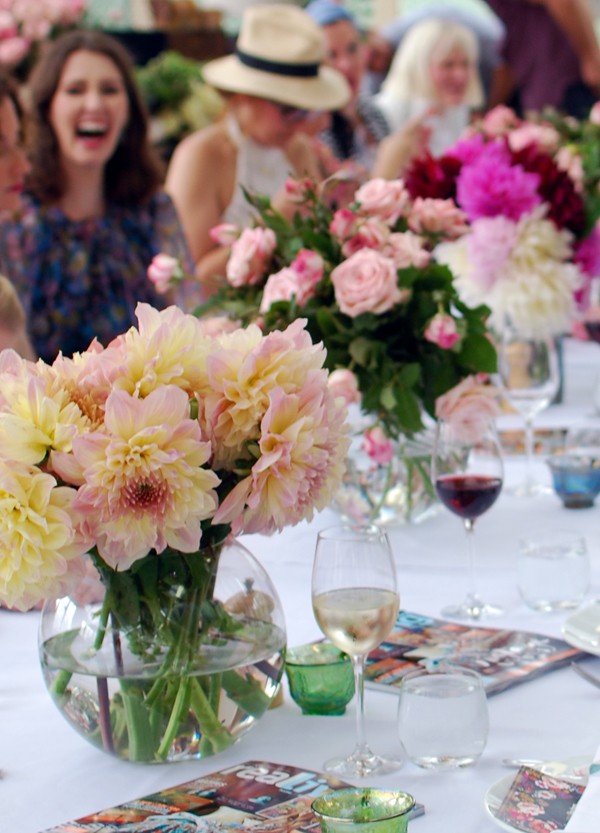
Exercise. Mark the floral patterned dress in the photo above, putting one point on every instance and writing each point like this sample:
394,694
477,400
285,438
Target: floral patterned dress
80,280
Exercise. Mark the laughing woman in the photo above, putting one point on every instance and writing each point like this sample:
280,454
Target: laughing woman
95,211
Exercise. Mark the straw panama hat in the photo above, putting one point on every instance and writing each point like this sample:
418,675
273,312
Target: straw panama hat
278,56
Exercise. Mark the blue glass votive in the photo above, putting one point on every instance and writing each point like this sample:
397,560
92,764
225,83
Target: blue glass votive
576,479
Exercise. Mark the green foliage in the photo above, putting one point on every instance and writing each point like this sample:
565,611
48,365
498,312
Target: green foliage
167,80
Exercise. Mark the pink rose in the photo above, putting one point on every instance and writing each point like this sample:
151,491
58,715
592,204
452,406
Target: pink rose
250,254
436,216
595,113
406,249
378,446
225,234
343,382
469,406
284,285
570,161
296,189
8,26
499,121
542,136
163,270
13,50
309,265
343,224
370,234
442,331
366,282
385,199
37,29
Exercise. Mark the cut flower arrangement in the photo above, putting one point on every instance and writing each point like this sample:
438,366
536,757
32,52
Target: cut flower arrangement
532,244
365,280
396,332
146,455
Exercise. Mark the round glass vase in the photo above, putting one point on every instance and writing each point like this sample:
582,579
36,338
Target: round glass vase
387,494
180,658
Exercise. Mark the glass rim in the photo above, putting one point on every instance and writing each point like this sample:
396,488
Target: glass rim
398,795
348,532
442,672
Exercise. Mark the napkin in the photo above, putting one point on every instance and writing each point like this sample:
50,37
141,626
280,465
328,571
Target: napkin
586,816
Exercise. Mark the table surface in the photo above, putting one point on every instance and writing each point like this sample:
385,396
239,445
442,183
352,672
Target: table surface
50,775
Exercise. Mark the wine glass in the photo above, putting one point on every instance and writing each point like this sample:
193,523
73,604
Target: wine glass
355,601
529,376
467,471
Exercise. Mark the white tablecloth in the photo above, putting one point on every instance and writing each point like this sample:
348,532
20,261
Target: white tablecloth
51,775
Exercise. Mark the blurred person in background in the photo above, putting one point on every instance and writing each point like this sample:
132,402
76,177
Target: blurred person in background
433,80
487,28
550,56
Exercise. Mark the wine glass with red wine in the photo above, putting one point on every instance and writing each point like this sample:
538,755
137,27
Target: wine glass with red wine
467,471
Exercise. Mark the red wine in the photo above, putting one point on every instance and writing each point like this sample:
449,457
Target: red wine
468,495
593,329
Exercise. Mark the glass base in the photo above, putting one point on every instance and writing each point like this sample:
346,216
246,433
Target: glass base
361,764
471,609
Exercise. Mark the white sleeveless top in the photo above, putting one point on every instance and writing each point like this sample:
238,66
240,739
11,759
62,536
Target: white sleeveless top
260,169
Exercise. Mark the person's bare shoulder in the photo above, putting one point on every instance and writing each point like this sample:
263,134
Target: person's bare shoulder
212,143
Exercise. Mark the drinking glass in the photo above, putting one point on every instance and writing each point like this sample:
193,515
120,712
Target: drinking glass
355,601
443,718
467,469
529,376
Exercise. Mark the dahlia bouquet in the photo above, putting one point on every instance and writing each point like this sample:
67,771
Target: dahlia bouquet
25,24
532,244
135,463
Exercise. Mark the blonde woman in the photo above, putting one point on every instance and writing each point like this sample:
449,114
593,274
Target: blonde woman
433,80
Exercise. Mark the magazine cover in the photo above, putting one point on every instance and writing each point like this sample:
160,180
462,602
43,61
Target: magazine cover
252,797
502,657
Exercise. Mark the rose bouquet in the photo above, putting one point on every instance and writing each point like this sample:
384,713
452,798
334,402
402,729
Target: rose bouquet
388,315
146,455
25,24
365,280
531,244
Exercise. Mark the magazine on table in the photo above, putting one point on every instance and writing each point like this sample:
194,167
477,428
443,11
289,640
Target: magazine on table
503,657
251,797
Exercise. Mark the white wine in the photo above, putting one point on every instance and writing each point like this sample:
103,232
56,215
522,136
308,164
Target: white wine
356,619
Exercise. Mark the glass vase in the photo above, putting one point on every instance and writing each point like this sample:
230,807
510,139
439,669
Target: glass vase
181,656
387,493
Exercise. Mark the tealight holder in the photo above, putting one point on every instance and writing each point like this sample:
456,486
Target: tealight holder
320,678
576,479
363,810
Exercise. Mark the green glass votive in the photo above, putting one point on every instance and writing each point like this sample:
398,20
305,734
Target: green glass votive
320,678
363,810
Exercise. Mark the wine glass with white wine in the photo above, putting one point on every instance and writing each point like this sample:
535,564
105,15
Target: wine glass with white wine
356,603
528,374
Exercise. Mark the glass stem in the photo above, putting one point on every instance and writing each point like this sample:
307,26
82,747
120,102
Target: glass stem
471,571
528,454
358,664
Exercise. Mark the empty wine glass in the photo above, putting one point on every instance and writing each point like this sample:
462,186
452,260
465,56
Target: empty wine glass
528,374
355,600
467,471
